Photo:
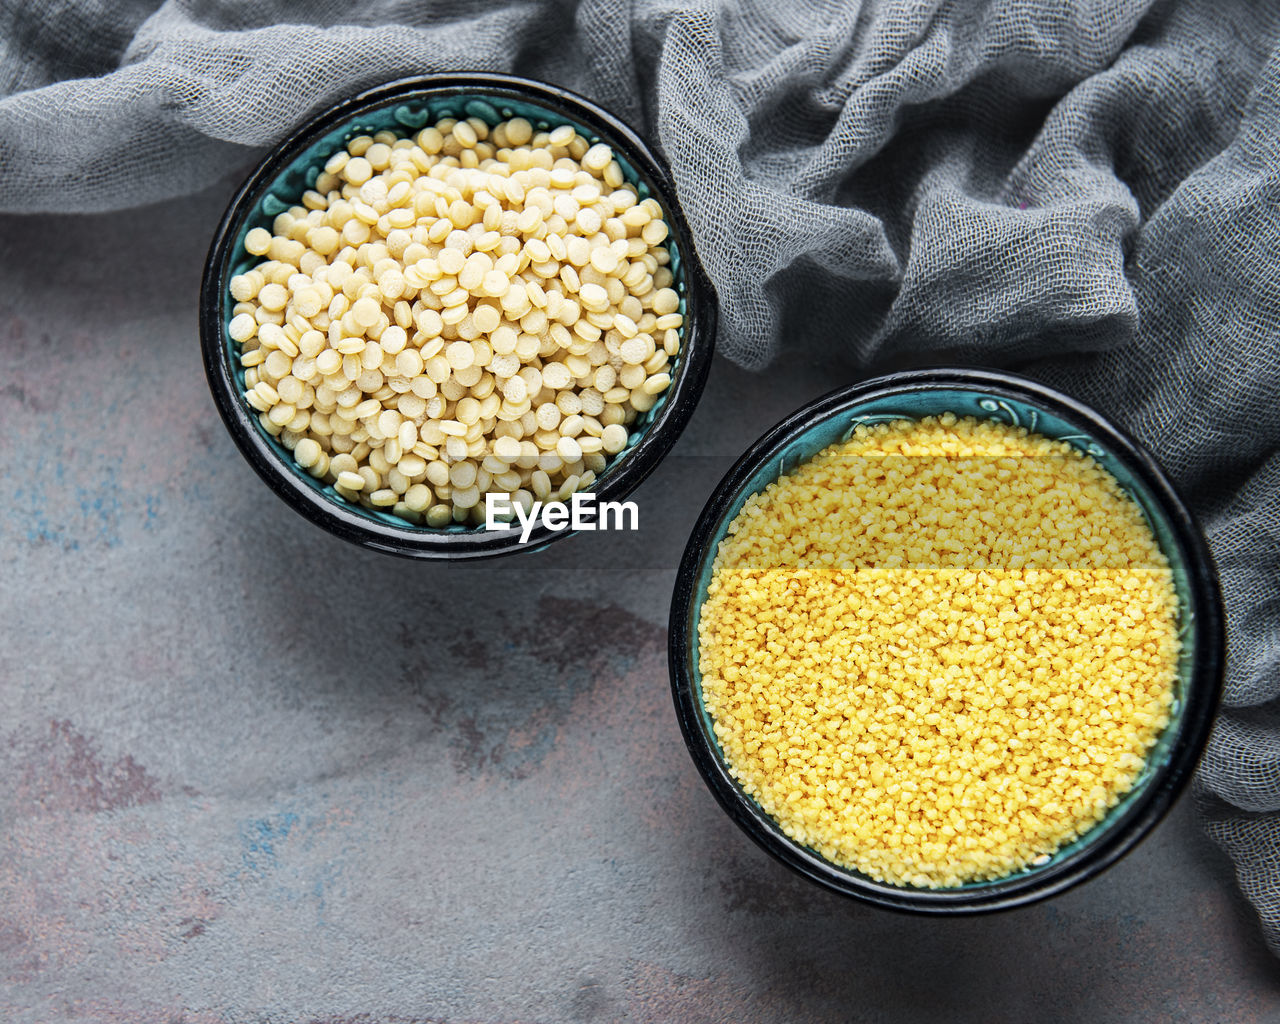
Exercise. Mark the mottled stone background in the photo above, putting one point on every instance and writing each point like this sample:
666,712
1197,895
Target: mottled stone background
249,773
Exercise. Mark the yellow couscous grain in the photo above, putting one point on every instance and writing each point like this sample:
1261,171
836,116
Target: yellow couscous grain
939,651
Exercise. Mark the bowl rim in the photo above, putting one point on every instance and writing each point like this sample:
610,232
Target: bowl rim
1203,691
657,438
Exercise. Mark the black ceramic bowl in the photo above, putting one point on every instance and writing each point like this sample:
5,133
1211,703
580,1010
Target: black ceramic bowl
1009,399
406,106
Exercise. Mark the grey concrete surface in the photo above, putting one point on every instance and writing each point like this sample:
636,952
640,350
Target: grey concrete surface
249,773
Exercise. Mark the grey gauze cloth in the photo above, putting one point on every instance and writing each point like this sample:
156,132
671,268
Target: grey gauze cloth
1089,195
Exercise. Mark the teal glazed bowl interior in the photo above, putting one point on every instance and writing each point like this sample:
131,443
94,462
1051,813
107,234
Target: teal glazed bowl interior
405,107
1011,400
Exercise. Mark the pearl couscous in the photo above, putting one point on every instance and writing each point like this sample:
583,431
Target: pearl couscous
472,310
940,651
